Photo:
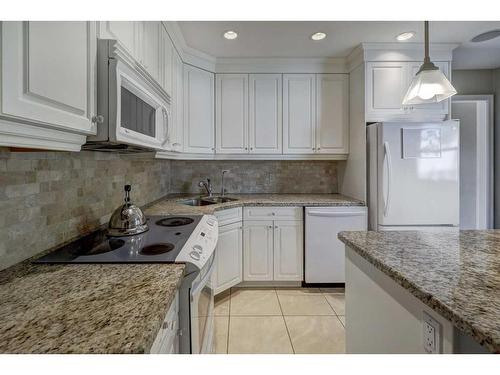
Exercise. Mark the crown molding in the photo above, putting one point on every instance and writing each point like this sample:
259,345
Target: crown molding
281,65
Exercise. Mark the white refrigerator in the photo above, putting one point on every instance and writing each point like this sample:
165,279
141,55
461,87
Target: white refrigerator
413,176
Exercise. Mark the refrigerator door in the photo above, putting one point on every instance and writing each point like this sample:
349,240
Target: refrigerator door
418,178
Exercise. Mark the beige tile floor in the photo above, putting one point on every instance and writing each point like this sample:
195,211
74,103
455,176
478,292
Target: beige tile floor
280,320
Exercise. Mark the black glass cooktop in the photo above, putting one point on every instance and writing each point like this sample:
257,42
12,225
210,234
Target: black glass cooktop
160,244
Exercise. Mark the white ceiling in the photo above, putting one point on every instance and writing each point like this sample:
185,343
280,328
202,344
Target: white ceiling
292,38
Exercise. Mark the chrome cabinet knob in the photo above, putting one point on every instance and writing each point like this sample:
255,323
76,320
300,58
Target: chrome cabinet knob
98,119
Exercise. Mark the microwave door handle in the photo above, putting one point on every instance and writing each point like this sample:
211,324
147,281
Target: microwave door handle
387,157
166,134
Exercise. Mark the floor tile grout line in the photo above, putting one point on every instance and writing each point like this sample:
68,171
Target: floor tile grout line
329,304
229,319
286,325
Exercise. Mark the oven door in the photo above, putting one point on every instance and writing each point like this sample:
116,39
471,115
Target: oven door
202,310
141,117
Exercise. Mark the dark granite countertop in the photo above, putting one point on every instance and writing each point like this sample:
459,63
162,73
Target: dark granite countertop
171,204
84,308
457,274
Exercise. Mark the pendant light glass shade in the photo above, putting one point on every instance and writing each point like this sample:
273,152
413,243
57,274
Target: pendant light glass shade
429,85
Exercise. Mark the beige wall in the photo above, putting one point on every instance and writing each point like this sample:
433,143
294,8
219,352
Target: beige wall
473,82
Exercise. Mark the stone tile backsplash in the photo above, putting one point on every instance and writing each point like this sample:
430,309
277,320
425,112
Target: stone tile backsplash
47,198
252,176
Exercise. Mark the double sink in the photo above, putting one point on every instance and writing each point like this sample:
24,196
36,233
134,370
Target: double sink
206,201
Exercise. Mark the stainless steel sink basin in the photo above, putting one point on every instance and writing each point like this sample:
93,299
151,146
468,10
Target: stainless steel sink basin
206,201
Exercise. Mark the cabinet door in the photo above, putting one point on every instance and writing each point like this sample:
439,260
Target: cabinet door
198,110
288,250
258,250
177,104
166,61
299,112
386,85
229,257
332,113
48,73
265,113
232,113
151,48
432,108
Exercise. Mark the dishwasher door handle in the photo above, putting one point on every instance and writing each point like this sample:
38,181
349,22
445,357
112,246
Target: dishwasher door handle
334,214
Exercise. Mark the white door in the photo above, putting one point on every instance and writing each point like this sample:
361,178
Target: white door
288,250
418,169
198,110
229,257
299,113
231,113
177,103
332,113
151,48
166,61
431,108
258,250
48,73
324,252
386,85
265,117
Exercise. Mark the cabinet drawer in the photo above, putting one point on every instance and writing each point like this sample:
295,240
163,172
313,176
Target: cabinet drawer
267,213
228,216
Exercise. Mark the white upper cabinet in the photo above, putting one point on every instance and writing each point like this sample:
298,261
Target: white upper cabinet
265,114
232,113
332,113
150,45
176,139
167,62
48,78
386,86
198,110
299,113
128,33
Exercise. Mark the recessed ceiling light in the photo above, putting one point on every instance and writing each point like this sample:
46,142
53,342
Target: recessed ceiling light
405,36
230,34
486,36
318,36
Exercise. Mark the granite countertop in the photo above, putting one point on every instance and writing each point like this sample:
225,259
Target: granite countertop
84,308
457,274
171,206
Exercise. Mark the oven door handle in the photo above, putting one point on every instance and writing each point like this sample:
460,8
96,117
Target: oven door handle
201,284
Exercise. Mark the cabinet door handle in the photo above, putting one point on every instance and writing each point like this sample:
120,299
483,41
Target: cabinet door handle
275,227
270,227
98,119
273,214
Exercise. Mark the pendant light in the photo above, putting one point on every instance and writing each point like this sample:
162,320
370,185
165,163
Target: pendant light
429,84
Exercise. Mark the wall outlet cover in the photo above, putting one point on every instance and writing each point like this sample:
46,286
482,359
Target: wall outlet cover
431,334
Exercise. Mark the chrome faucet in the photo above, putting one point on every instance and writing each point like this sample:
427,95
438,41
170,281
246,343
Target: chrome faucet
222,189
207,185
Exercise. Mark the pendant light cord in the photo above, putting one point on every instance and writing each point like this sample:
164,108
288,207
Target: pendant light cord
427,59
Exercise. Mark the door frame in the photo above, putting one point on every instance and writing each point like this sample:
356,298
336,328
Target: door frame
484,157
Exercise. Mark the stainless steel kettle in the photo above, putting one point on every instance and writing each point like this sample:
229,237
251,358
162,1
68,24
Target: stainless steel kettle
127,219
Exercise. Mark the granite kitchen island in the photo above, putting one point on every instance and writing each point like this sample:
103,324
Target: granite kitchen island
418,292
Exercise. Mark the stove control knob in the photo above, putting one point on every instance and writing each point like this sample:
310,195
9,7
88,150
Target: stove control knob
195,255
198,248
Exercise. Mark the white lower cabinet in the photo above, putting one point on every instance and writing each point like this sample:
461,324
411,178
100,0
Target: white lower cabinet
258,250
228,257
47,80
273,249
167,339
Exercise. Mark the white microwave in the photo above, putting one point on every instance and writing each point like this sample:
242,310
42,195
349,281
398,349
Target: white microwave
133,110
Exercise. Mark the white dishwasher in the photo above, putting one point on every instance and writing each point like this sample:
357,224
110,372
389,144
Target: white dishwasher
324,253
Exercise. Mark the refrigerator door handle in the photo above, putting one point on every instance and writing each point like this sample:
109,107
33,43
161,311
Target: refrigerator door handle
387,157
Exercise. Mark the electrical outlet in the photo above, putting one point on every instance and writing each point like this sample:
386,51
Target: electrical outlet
431,334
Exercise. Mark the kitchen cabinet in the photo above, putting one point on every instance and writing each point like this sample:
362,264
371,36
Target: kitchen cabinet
126,32
232,113
198,110
265,114
288,250
167,339
167,62
272,249
332,113
150,48
386,86
299,113
228,255
48,84
258,250
177,133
